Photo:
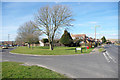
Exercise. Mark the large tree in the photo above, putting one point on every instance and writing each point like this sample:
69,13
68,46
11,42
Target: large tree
19,40
51,19
28,33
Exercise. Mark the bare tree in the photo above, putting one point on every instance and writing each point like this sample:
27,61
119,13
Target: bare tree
50,19
28,33
19,40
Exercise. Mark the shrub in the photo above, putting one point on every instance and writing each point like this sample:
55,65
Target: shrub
108,42
77,42
66,39
103,39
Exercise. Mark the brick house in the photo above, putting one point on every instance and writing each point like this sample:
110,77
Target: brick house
78,36
7,42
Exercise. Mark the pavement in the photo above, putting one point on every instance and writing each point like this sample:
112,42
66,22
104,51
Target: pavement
93,65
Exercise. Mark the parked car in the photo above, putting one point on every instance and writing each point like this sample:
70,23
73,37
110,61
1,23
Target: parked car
4,47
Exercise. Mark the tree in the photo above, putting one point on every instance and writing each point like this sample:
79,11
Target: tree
66,39
103,39
51,19
19,40
28,33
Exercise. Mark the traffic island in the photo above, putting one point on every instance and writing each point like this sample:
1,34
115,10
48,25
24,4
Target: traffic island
46,51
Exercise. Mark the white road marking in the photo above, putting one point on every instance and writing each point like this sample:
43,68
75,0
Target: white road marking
110,57
106,57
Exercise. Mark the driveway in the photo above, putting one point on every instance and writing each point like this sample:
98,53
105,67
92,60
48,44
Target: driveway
92,65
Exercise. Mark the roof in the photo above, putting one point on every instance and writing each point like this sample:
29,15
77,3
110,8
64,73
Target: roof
78,35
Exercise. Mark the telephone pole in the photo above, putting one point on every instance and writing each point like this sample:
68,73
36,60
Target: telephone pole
95,30
8,38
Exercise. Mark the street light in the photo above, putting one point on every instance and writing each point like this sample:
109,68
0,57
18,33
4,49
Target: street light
8,38
95,30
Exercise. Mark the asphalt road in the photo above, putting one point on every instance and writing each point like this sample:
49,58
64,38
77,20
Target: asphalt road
113,51
75,66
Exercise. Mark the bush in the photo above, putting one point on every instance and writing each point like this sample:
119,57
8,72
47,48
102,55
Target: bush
103,39
66,39
108,42
77,42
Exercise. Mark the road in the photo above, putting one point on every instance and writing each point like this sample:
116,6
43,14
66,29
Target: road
113,51
75,66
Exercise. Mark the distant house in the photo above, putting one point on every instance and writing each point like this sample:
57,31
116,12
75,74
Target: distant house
41,43
78,36
7,42
56,43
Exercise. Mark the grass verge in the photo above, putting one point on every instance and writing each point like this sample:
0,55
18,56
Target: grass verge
45,50
101,49
15,70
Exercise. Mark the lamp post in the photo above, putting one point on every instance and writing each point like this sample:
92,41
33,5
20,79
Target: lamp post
95,34
95,30
8,38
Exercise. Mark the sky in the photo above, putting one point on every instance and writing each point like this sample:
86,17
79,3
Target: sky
86,15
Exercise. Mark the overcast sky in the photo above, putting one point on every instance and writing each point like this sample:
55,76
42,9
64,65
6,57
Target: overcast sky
86,15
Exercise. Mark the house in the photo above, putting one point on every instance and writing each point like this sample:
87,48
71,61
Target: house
7,42
41,43
78,36
56,43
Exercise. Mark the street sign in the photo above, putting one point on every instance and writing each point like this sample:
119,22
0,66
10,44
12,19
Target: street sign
78,49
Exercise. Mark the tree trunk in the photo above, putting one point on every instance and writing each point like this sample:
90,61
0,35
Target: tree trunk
28,45
51,45
32,46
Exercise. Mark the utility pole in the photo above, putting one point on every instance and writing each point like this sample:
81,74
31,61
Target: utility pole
95,30
8,38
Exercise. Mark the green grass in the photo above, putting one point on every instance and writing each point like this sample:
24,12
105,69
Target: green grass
0,47
45,50
101,49
15,70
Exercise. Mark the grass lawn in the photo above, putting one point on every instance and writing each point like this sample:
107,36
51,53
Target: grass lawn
15,70
45,50
101,49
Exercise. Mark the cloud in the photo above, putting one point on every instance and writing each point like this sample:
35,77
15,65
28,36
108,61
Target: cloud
93,22
99,35
57,1
72,24
80,24
109,31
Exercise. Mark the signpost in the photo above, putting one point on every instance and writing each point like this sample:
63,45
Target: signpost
78,49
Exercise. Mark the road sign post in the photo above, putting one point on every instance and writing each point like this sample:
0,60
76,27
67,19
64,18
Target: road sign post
78,49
